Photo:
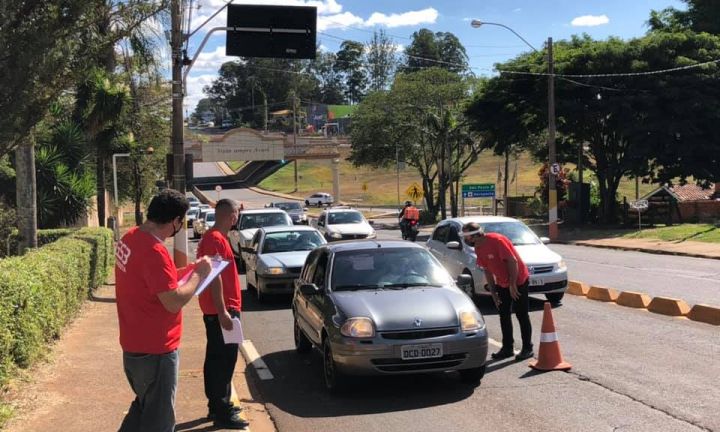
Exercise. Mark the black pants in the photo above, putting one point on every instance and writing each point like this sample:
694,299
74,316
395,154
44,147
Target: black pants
219,367
522,306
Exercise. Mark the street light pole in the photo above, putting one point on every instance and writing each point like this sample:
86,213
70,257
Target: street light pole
552,190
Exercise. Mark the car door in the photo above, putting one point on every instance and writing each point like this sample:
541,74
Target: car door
302,301
437,241
252,258
322,224
316,303
455,260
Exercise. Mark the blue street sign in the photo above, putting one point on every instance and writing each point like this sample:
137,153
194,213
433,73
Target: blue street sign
481,190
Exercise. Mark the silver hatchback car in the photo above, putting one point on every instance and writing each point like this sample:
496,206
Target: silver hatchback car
385,307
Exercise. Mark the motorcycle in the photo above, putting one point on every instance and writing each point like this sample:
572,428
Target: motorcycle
409,230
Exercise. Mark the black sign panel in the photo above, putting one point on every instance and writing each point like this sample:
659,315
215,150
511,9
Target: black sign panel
271,31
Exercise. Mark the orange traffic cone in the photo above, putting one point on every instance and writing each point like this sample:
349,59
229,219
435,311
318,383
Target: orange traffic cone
549,356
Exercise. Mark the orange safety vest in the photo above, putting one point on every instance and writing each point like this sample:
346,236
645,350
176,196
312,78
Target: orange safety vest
412,213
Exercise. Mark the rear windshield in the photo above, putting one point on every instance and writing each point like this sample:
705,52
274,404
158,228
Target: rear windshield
259,220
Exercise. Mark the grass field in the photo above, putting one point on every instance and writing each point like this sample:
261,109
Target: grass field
381,184
679,233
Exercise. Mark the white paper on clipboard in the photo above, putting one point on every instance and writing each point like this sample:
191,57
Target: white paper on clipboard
234,336
218,265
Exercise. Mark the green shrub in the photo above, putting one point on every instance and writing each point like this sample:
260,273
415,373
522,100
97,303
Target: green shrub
43,290
46,236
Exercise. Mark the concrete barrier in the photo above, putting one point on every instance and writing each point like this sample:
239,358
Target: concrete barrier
577,288
602,294
705,313
669,306
633,299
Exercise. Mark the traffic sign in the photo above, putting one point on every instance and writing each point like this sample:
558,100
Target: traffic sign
415,192
479,190
555,168
640,204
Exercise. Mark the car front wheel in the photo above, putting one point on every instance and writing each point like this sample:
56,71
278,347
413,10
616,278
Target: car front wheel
261,297
334,379
555,298
473,376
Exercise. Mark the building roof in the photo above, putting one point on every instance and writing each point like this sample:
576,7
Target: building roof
691,192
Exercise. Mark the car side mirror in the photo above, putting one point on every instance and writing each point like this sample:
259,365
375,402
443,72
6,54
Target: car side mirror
454,245
309,289
371,222
545,240
305,209
464,280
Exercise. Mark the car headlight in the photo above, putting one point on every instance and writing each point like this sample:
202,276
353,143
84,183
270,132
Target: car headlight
358,328
275,270
372,235
561,265
471,321
336,235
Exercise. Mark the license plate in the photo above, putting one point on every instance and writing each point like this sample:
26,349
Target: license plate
423,351
536,282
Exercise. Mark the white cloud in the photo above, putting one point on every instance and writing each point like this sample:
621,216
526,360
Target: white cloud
425,16
517,10
212,60
338,21
590,20
194,91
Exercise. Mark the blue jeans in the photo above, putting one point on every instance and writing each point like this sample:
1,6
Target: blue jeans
153,379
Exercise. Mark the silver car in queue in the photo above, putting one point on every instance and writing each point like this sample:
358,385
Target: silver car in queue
276,255
386,307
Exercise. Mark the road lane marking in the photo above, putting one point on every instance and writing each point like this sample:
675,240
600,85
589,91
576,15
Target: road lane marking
253,358
497,344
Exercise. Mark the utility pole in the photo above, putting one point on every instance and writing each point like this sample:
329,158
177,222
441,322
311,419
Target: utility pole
580,194
506,200
295,131
180,249
553,201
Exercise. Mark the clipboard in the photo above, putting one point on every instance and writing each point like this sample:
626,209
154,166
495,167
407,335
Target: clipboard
218,265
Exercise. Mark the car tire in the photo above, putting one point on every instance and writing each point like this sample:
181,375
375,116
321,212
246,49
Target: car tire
335,381
302,343
261,296
472,376
555,298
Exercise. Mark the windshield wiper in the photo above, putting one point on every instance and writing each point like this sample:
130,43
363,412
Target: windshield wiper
410,285
356,287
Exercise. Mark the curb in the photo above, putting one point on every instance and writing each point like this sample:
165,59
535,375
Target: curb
636,249
275,194
669,306
634,300
602,294
705,313
577,288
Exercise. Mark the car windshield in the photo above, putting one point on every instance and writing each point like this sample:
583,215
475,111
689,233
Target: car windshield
289,241
210,217
518,233
288,206
383,268
192,212
337,218
259,220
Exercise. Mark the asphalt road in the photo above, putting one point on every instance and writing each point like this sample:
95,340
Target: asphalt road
632,370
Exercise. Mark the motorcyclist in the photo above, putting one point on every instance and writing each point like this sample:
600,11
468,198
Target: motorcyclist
407,214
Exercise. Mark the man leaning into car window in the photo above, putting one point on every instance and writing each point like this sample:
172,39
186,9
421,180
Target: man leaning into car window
508,279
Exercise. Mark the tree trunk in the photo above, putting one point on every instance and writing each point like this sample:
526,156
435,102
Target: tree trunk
138,193
429,192
100,174
26,189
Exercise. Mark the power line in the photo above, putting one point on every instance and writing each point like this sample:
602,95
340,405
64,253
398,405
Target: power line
613,75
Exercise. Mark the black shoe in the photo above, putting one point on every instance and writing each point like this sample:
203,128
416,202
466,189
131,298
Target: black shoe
233,421
526,353
502,354
234,409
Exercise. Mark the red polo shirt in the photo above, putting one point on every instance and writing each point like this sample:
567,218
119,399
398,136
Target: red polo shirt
493,255
214,243
144,269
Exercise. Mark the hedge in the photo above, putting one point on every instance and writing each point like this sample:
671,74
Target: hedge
46,236
41,291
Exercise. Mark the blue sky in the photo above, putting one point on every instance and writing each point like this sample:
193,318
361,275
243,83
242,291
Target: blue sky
535,20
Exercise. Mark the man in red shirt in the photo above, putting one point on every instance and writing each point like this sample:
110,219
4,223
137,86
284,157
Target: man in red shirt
220,303
508,278
149,303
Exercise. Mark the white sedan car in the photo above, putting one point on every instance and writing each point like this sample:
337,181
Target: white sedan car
249,221
339,223
319,199
548,272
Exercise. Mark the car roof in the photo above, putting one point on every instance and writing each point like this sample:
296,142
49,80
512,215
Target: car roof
341,209
262,210
283,228
360,245
480,219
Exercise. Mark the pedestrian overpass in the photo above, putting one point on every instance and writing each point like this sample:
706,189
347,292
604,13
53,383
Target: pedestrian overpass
265,153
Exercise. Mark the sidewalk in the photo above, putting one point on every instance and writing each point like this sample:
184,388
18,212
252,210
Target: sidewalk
82,386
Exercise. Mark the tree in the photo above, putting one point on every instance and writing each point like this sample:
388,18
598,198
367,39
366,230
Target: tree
417,118
442,49
382,60
700,16
330,79
350,63
656,126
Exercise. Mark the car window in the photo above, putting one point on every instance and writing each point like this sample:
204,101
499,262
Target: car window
289,241
210,217
318,277
288,206
518,233
337,218
255,240
453,233
310,264
259,220
321,219
386,268
441,233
